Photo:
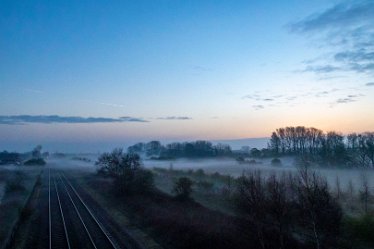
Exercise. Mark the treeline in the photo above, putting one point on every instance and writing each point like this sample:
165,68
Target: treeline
9,157
195,149
355,149
29,158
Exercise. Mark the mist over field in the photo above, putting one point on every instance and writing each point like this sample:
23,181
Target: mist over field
156,124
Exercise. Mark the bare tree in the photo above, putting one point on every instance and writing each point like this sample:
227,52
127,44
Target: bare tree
365,192
320,214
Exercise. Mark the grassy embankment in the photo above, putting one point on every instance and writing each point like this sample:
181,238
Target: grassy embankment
18,185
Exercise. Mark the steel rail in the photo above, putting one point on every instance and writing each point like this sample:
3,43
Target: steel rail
79,215
90,212
49,208
62,214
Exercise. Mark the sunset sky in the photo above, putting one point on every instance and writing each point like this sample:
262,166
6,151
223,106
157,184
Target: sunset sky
124,71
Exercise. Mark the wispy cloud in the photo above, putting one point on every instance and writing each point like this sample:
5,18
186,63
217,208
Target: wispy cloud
258,107
31,90
111,104
347,29
369,84
175,118
262,100
201,68
49,119
347,99
322,69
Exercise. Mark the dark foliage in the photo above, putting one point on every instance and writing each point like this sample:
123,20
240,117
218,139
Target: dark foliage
292,207
126,169
329,148
15,182
35,161
183,188
9,157
276,162
195,149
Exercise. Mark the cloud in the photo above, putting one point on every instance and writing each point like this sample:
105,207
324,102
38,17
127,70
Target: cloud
262,100
321,69
31,90
346,29
174,118
49,119
339,16
348,99
111,104
345,100
369,84
258,107
201,68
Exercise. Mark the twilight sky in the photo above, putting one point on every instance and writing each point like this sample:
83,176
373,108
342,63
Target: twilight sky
121,71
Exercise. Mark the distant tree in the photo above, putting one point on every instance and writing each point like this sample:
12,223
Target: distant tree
136,148
9,158
37,152
153,148
275,143
127,171
183,188
365,194
255,153
276,162
333,148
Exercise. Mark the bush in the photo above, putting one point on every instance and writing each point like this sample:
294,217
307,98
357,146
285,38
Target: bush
15,182
359,230
126,169
35,161
183,188
276,162
200,173
205,186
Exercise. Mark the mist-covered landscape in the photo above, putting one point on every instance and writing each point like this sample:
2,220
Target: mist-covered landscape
187,124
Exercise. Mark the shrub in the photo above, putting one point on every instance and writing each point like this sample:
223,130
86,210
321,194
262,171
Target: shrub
276,162
205,186
126,169
15,182
183,188
35,161
360,229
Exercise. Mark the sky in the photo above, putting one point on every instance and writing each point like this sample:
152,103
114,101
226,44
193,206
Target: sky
116,72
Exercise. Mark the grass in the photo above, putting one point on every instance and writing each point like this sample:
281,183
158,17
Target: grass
88,182
173,223
358,231
212,191
15,197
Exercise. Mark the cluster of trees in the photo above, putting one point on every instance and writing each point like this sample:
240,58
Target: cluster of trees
290,205
126,170
35,157
9,157
178,150
331,147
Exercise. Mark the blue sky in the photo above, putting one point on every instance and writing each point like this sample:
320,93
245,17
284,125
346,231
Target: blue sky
182,69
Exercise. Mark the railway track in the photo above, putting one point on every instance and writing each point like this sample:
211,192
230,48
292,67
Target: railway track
72,224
